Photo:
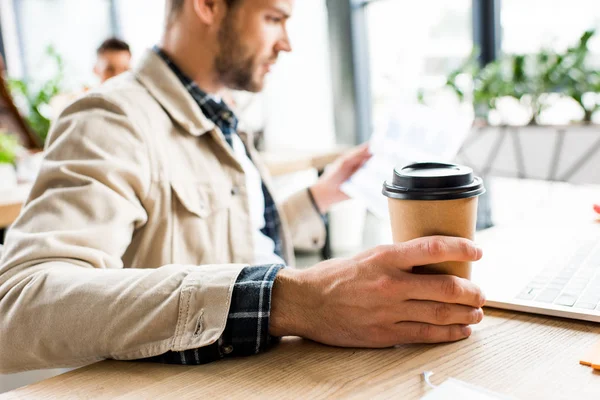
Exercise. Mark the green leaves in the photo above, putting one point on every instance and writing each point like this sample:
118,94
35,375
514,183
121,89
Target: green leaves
530,77
9,148
37,96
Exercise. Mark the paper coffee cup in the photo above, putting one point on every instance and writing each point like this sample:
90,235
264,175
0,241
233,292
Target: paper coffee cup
429,199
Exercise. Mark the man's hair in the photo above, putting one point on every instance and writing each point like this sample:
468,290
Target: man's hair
177,5
113,44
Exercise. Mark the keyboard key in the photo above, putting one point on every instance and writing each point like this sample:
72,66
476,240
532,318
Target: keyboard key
567,273
592,290
559,280
566,300
536,285
590,298
573,292
585,305
595,257
577,287
578,280
543,279
556,286
529,293
548,295
549,272
586,273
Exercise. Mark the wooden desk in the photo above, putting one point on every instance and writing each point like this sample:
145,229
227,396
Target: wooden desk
526,356
523,355
11,201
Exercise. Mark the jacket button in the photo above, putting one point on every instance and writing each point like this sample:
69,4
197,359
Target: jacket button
227,349
235,191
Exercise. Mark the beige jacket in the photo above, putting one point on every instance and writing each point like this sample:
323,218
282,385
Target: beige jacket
134,232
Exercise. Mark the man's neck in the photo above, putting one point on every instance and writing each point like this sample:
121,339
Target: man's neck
197,62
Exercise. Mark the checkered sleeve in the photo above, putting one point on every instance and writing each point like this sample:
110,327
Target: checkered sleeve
247,328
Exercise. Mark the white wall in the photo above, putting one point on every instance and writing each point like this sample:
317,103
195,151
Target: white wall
74,27
298,96
141,23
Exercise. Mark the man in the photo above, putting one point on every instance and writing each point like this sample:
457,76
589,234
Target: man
113,58
151,232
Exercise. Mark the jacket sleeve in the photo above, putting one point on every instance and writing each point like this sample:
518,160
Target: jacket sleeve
66,298
306,224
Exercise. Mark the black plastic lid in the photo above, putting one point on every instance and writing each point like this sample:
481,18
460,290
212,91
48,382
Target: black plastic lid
433,181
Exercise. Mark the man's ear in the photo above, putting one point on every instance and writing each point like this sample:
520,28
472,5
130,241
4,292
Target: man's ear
209,11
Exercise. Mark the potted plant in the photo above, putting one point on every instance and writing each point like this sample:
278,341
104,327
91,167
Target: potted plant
532,84
530,79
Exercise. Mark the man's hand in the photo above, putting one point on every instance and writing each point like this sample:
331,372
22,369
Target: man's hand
373,299
326,191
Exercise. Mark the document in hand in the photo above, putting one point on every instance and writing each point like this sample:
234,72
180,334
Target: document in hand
414,133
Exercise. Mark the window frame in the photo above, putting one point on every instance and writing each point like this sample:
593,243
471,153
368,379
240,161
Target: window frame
115,30
350,68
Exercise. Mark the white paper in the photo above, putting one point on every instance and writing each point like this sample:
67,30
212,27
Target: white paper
414,133
455,389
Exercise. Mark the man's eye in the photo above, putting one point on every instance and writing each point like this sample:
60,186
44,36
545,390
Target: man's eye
275,20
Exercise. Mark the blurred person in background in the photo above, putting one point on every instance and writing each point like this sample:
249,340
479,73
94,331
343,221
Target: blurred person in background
113,58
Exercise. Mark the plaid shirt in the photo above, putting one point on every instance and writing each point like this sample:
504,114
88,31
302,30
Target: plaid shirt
247,328
224,118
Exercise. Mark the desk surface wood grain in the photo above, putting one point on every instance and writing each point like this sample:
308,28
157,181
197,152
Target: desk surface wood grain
526,356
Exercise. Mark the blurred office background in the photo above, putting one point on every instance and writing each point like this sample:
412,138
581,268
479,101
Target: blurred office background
527,72
358,57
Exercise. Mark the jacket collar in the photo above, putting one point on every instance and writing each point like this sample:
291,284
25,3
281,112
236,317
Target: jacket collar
156,76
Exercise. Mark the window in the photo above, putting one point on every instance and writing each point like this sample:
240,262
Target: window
141,23
557,24
74,27
414,45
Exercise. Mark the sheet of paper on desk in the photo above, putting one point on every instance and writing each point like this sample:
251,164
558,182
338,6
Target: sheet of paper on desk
414,133
455,389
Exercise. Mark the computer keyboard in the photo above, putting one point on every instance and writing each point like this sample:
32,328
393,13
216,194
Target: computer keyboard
574,284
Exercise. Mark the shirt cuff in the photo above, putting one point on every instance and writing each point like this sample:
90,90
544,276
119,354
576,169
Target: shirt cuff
314,203
247,328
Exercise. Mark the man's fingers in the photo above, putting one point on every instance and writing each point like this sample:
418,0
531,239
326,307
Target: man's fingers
431,312
357,156
444,289
361,148
358,152
429,250
415,332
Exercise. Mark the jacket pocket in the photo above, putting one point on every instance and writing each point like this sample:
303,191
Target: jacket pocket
201,230
202,199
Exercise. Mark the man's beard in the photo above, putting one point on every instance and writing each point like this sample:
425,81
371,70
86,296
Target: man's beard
234,64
